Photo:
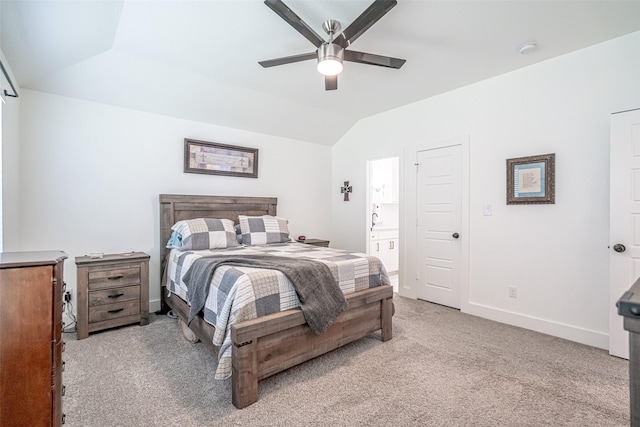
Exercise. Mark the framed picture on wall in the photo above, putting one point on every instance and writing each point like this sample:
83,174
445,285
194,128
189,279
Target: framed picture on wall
531,180
219,159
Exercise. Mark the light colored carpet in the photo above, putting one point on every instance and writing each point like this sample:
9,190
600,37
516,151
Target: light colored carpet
442,368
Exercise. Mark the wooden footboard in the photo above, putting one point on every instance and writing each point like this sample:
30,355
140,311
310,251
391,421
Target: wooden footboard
270,344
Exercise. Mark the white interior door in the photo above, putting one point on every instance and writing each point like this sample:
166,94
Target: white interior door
439,204
624,220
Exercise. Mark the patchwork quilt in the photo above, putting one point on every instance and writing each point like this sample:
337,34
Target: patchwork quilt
242,293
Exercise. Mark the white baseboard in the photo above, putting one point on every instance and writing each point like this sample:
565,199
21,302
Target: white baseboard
545,326
154,305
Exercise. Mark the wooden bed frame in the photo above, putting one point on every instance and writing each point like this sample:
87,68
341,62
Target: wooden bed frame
269,344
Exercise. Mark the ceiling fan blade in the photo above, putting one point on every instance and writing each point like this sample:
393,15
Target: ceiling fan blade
330,82
377,10
372,59
288,59
294,20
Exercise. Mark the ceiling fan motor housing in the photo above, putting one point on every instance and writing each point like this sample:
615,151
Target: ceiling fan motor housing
330,51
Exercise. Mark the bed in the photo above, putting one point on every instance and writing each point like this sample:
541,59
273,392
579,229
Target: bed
269,344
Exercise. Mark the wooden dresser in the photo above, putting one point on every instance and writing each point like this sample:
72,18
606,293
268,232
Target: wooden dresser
31,287
112,291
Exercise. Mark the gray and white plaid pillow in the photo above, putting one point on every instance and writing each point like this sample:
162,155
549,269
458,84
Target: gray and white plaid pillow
203,233
263,230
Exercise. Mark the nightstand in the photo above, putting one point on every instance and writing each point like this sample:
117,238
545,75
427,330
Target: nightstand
315,242
112,291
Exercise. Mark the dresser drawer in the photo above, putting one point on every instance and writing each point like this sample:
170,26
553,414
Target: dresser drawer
114,277
114,311
110,296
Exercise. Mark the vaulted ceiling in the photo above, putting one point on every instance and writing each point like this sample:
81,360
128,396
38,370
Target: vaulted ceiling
198,60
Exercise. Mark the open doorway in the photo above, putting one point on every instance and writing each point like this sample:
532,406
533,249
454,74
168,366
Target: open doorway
383,214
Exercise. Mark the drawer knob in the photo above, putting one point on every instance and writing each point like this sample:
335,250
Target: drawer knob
118,295
115,311
119,276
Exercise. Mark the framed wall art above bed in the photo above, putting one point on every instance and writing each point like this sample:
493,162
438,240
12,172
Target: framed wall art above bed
220,159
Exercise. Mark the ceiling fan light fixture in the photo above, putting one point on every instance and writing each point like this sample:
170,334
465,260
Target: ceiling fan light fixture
330,59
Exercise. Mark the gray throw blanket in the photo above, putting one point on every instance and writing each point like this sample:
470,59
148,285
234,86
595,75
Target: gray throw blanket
321,299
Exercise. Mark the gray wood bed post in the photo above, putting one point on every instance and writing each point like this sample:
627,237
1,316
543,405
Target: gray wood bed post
244,378
629,307
386,313
166,222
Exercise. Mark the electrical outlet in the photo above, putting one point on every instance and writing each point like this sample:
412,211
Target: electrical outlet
513,292
67,296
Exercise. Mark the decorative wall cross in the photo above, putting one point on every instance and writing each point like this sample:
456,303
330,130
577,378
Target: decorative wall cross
346,189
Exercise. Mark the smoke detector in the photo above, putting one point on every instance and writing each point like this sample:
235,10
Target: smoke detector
528,48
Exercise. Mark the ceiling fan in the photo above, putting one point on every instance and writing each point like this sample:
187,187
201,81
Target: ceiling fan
330,53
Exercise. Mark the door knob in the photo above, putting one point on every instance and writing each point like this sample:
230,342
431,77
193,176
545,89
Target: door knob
455,235
619,247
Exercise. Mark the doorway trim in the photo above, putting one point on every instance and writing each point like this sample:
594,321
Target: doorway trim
400,154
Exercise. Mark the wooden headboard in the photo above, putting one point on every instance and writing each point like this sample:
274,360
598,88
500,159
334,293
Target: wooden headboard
176,207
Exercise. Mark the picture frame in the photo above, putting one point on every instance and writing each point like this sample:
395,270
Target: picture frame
220,159
531,180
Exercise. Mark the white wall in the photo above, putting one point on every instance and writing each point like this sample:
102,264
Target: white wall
10,172
87,176
557,254
90,175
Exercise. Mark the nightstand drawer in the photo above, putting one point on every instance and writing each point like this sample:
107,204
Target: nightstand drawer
114,311
114,277
110,296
